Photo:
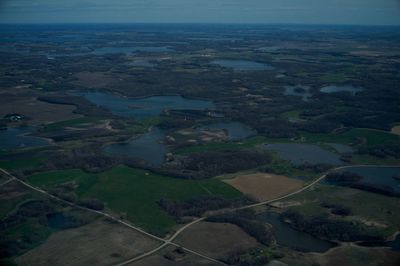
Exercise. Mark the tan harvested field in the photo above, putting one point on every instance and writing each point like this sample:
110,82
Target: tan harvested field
98,243
396,130
39,112
216,240
264,186
97,79
358,256
159,259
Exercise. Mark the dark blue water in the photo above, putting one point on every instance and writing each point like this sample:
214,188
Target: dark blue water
380,176
144,107
287,236
395,244
61,221
341,148
147,147
299,154
242,65
14,138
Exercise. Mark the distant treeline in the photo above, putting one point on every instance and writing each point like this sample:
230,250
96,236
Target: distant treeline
211,163
342,178
382,150
199,205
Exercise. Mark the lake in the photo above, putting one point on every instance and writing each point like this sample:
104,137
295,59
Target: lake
130,50
146,147
298,90
380,176
241,65
285,235
299,153
235,130
341,148
395,244
14,138
346,88
144,107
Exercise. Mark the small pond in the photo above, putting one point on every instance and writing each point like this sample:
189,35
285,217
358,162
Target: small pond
147,147
61,221
14,138
344,88
285,235
395,244
298,90
242,65
144,107
235,130
299,153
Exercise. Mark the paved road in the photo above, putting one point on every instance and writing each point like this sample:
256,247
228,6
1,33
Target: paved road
169,241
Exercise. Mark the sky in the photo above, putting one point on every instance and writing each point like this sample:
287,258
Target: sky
352,12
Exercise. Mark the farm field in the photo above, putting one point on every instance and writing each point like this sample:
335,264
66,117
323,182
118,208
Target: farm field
371,137
82,121
353,255
264,186
105,240
395,130
170,256
134,193
217,240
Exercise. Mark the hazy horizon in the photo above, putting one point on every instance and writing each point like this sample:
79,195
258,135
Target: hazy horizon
305,12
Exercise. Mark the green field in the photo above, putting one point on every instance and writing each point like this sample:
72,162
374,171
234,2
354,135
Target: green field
135,192
367,159
70,123
19,164
371,136
295,114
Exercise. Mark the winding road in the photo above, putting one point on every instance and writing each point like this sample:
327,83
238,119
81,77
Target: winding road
169,241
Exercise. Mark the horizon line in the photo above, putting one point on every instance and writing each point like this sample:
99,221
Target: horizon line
201,23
